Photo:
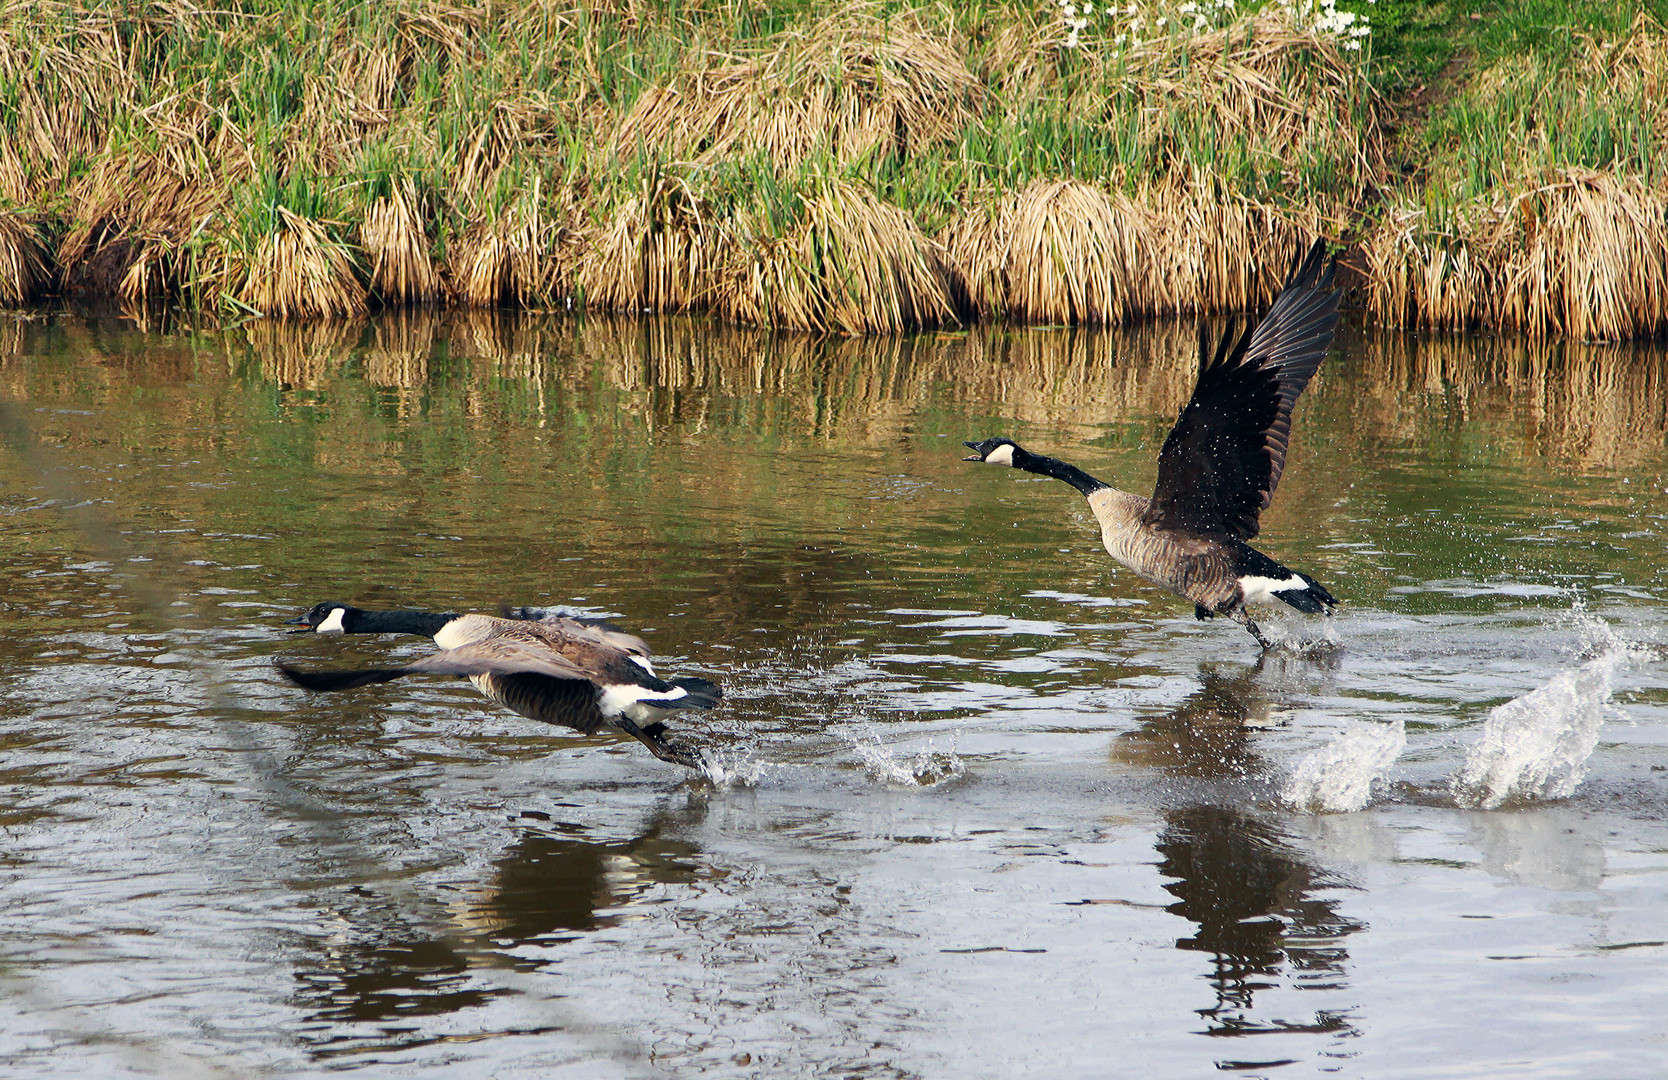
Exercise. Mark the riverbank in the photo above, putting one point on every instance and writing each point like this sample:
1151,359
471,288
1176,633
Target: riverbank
871,170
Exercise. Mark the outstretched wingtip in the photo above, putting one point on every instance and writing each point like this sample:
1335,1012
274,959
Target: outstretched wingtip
336,680
1307,269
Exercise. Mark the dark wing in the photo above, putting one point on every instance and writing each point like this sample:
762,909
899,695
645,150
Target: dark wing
1221,462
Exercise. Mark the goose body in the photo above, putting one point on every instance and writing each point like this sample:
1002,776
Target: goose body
559,669
1219,465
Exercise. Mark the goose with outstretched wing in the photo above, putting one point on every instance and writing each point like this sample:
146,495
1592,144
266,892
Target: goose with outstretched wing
1220,464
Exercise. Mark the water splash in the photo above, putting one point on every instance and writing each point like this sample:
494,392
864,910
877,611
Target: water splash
1338,777
1535,747
732,768
927,767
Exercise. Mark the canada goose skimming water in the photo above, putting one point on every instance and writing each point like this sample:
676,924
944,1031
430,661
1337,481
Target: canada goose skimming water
561,669
1219,465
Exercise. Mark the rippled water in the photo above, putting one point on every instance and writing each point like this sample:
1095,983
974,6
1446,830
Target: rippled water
993,808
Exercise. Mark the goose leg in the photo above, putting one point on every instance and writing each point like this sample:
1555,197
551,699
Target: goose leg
651,737
1258,634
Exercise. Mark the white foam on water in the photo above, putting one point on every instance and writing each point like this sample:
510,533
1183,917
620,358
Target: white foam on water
927,767
1536,747
1338,778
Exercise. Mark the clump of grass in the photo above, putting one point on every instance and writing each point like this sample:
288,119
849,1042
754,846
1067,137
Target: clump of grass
832,258
392,238
298,271
22,266
506,260
660,253
854,84
1061,251
1584,255
1222,251
1275,108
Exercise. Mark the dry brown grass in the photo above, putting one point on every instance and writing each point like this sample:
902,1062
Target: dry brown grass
1257,88
504,260
851,264
854,83
22,265
298,271
393,240
1061,251
1584,255
660,253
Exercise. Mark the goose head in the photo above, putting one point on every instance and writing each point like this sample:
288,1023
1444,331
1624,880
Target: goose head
326,618
996,451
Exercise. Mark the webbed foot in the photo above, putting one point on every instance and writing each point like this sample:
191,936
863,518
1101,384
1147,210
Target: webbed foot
653,736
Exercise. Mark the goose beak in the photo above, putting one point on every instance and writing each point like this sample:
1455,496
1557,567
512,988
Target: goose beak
301,621
975,456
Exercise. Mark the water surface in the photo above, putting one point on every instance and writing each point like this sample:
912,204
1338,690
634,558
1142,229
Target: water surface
996,808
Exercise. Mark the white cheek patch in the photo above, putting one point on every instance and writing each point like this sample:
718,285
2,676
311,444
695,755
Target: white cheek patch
1261,590
641,662
1002,455
332,625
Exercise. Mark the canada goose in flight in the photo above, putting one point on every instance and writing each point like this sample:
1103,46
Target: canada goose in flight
1219,465
561,669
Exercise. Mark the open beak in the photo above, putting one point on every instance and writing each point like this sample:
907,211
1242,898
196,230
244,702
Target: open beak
301,621
976,456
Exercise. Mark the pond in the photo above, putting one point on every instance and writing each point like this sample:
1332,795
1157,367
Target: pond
991,806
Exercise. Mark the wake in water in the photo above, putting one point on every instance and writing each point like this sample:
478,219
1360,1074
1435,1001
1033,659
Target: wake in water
1536,747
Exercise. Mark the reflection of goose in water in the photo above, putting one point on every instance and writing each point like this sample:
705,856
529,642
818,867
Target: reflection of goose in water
1251,897
579,673
1220,464
369,986
549,887
1246,888
1208,735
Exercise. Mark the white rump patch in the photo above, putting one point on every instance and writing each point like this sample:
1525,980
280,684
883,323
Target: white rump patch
332,625
1261,590
1002,455
462,631
636,702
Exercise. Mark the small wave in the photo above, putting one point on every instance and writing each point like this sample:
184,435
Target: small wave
1338,777
1535,747
927,767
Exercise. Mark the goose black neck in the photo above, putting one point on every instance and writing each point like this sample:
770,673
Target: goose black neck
427,623
1059,470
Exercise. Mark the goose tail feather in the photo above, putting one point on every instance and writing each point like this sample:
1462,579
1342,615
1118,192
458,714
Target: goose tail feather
698,693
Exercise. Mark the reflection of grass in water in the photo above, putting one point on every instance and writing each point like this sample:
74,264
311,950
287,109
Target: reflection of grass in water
1594,406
